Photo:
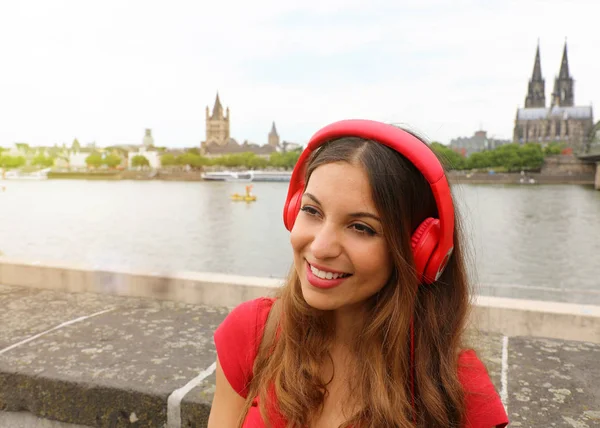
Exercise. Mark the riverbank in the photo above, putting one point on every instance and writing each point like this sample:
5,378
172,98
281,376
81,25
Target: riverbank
161,174
461,177
458,177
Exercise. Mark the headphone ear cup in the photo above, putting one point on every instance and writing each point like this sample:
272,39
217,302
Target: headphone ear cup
424,240
292,207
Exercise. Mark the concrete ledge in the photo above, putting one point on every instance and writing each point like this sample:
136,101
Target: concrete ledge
107,361
515,317
189,287
101,360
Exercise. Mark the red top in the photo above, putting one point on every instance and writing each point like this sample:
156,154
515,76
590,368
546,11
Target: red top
237,340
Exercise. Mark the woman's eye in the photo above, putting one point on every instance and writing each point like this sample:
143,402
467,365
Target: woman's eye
361,228
309,210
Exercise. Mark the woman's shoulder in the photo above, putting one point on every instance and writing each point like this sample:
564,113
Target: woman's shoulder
237,340
246,320
250,311
484,407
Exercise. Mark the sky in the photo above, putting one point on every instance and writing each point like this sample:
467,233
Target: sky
104,71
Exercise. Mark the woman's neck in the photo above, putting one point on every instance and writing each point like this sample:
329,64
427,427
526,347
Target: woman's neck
348,324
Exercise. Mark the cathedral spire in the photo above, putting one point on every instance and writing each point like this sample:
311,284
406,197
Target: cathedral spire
564,65
536,76
218,108
564,93
273,130
536,96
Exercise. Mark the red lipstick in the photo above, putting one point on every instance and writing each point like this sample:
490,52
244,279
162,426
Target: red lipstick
317,282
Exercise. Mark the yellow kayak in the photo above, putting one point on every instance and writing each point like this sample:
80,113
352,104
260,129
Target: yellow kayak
243,198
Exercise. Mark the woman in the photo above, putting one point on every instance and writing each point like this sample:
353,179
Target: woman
367,330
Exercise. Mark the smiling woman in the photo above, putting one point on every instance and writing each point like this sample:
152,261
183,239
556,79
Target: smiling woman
341,235
367,330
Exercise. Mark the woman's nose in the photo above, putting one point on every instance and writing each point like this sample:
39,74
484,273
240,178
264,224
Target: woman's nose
326,243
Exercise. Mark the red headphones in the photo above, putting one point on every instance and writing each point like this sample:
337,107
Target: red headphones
432,242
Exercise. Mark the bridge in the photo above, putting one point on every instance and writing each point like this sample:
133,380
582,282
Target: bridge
593,155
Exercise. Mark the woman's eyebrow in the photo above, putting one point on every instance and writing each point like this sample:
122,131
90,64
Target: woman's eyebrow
311,196
353,215
365,214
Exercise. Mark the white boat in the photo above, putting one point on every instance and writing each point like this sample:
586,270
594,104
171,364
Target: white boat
527,180
19,175
227,176
247,176
283,176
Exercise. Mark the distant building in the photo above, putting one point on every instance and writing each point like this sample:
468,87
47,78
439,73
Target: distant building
219,142
152,155
146,149
217,125
562,121
148,141
77,160
479,142
273,137
288,146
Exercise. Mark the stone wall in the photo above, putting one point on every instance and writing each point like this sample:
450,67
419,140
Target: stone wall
516,317
566,165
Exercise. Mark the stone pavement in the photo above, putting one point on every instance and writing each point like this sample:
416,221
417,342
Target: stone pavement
109,361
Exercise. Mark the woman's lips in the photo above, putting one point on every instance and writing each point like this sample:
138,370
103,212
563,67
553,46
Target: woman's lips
317,282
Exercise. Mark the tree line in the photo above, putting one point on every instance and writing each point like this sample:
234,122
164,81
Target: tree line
193,159
508,157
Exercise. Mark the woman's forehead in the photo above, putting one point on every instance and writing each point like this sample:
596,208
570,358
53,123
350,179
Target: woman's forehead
341,181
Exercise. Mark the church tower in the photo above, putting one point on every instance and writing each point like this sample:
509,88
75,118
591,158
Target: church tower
148,141
217,124
273,137
536,92
563,94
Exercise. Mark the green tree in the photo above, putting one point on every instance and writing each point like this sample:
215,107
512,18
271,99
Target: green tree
479,160
448,157
10,162
532,156
192,160
94,160
43,161
285,160
75,146
112,160
258,162
554,149
139,161
506,156
168,159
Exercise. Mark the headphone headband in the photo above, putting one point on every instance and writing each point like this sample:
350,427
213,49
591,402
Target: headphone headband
412,148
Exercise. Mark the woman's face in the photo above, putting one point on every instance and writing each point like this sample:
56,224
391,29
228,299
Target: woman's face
340,253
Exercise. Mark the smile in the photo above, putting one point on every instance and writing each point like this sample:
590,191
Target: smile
324,279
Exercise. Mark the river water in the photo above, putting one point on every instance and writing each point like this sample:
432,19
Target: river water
536,242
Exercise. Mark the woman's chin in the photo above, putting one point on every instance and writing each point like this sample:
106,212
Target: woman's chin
317,299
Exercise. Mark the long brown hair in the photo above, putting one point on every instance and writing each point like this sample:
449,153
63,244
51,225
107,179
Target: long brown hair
290,364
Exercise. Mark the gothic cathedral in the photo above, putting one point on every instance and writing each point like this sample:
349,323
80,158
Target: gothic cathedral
562,121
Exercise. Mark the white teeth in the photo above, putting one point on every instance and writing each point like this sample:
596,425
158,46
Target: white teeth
323,274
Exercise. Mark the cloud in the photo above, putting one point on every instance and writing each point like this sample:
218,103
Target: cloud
104,71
